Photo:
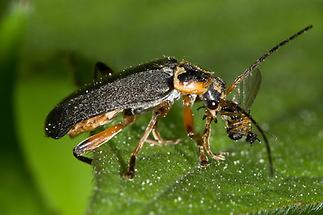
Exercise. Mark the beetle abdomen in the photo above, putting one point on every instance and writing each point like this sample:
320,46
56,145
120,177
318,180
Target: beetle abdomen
140,90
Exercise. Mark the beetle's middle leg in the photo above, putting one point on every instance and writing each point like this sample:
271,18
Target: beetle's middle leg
159,140
160,111
98,139
188,101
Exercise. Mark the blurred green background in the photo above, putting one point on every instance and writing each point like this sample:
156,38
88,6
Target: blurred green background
45,44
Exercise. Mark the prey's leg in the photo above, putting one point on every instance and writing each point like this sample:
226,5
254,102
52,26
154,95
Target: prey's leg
98,139
189,126
158,112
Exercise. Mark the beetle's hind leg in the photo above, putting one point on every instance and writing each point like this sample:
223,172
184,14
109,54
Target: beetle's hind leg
160,111
98,139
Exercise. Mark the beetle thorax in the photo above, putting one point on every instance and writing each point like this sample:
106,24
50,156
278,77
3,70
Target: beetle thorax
189,79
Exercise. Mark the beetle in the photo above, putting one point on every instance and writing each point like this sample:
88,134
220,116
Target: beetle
155,86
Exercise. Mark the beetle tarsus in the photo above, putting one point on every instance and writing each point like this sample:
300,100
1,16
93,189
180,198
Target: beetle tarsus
84,159
204,163
130,173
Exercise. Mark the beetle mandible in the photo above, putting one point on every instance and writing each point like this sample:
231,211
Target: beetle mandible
156,86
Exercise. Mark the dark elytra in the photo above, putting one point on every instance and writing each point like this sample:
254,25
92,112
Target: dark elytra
139,87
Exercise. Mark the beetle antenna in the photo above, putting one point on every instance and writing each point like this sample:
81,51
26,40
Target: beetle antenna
253,66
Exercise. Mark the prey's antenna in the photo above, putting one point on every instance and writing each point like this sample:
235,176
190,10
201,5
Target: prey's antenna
264,137
262,58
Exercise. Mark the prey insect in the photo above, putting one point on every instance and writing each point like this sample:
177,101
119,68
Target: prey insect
155,86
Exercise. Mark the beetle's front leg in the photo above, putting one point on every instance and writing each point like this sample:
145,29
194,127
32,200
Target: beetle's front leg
188,101
98,139
205,139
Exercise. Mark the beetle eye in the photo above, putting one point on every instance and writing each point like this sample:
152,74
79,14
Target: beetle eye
211,104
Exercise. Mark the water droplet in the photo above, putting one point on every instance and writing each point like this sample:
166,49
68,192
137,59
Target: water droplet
236,162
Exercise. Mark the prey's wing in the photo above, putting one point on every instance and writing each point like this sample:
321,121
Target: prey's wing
247,90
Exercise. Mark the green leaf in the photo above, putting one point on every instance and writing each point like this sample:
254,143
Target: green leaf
169,180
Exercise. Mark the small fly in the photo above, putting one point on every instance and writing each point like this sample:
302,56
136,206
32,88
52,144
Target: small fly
155,86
